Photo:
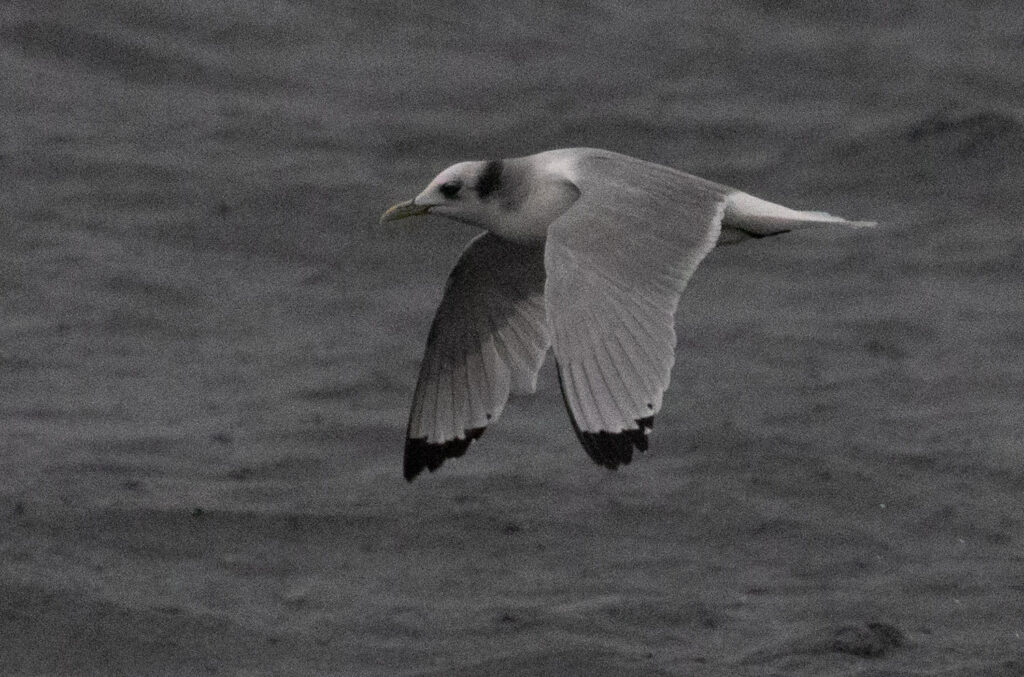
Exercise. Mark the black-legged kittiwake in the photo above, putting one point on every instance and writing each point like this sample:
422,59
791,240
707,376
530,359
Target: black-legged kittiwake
587,252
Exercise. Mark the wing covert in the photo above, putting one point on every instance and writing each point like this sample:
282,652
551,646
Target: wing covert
617,262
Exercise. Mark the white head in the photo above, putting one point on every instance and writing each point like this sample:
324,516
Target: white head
470,192
516,199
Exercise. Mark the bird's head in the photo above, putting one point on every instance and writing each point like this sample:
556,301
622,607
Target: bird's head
465,192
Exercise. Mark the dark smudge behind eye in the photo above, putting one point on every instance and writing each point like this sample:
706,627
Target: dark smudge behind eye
490,178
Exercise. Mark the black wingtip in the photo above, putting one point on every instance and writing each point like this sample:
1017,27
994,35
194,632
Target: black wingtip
608,449
611,450
421,454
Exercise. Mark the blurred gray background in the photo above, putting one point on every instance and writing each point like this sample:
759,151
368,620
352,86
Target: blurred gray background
207,347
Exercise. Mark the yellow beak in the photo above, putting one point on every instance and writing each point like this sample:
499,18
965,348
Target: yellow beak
403,210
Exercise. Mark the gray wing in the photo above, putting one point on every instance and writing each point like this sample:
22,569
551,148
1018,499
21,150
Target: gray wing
617,262
488,340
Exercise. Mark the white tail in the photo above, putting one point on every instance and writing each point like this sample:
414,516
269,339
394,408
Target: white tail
747,217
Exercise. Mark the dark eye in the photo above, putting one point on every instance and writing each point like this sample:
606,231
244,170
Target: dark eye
450,189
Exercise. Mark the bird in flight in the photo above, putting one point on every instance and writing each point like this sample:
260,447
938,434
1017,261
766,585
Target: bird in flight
586,252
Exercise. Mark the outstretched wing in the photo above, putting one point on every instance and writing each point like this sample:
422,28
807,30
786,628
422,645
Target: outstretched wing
617,262
488,340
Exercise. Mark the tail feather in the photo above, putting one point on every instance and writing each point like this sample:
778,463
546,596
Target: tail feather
748,217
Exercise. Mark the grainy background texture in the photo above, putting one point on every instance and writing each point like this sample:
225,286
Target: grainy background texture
207,348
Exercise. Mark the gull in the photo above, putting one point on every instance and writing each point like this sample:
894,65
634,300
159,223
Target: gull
586,251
